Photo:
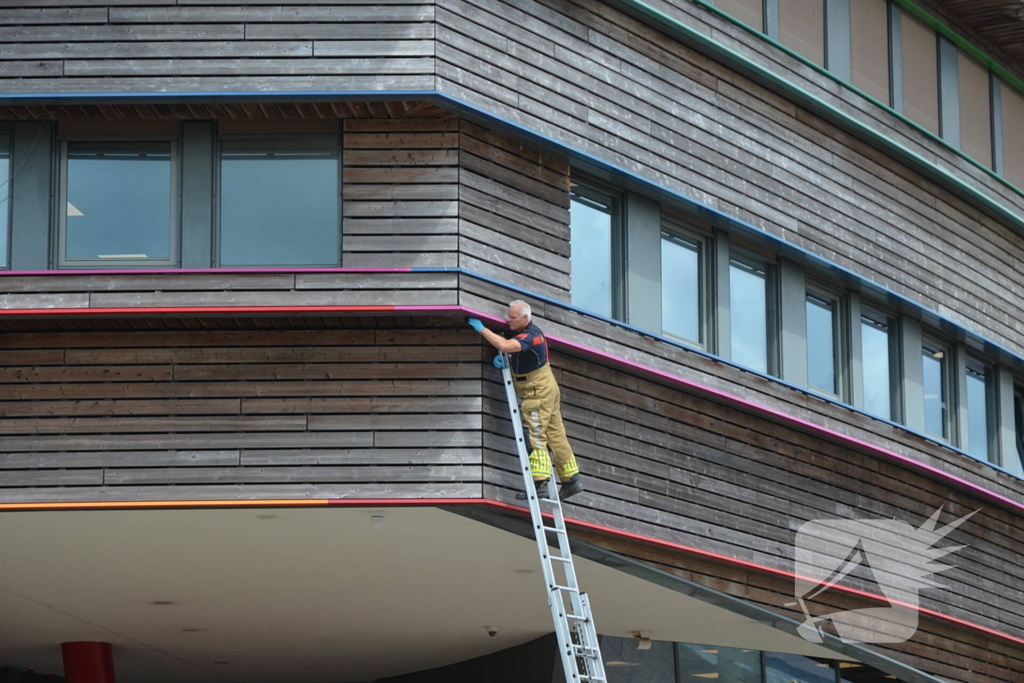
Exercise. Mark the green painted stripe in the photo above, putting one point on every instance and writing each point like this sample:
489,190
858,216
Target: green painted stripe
734,59
933,23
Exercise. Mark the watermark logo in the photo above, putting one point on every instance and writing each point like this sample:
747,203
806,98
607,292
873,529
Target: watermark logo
892,554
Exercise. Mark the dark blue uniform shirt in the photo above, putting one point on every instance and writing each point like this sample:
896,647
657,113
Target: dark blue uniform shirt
535,349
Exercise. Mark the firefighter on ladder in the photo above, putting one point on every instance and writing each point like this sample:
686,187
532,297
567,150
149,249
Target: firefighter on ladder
539,397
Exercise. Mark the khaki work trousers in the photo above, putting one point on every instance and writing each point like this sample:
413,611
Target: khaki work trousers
540,406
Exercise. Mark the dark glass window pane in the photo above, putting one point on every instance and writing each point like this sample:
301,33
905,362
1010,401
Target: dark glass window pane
821,344
750,12
5,193
1018,424
802,27
934,360
874,337
700,663
591,254
855,672
624,664
977,410
279,202
798,669
680,288
118,200
748,313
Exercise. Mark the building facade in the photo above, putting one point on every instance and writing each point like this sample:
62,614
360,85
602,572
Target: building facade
775,246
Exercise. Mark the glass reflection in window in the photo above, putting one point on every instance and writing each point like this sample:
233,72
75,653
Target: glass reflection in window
875,365
681,287
279,201
978,438
591,222
935,389
748,313
117,200
625,664
822,345
699,663
798,669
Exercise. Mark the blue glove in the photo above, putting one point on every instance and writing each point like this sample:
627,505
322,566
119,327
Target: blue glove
499,361
475,324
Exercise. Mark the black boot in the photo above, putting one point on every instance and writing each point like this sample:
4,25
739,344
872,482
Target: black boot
571,487
542,490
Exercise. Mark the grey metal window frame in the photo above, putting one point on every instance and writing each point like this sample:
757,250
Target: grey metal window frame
590,188
840,337
773,332
60,212
881,315
215,236
683,232
991,376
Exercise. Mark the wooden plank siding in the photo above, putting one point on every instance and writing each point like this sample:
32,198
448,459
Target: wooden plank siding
600,81
392,410
513,212
216,46
401,193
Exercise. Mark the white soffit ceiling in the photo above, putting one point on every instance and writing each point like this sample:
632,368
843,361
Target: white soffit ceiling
306,595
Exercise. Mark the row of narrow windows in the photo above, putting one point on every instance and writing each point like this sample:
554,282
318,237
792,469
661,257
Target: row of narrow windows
897,59
851,347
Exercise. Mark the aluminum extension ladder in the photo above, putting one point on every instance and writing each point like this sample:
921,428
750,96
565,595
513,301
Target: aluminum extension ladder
570,609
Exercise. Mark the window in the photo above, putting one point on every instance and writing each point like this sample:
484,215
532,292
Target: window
823,342
877,363
682,290
5,196
1018,424
625,664
798,669
1013,142
698,663
935,358
279,201
920,73
802,27
750,12
975,110
593,243
748,312
118,203
979,410
869,43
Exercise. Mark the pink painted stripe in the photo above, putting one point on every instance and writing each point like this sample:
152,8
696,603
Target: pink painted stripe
185,271
192,310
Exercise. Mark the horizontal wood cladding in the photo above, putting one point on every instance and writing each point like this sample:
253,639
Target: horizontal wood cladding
513,212
597,80
231,289
401,193
952,653
392,410
216,46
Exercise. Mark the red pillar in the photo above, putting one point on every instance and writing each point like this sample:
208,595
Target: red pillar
88,662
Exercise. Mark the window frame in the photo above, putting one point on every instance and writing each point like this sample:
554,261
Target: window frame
60,215
948,378
877,314
991,403
593,190
215,237
773,334
7,191
676,230
840,337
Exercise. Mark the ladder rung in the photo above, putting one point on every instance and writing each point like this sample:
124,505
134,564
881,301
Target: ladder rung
582,651
576,617
556,587
553,529
596,679
559,559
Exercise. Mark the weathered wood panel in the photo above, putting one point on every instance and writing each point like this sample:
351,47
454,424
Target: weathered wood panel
600,81
244,413
400,193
